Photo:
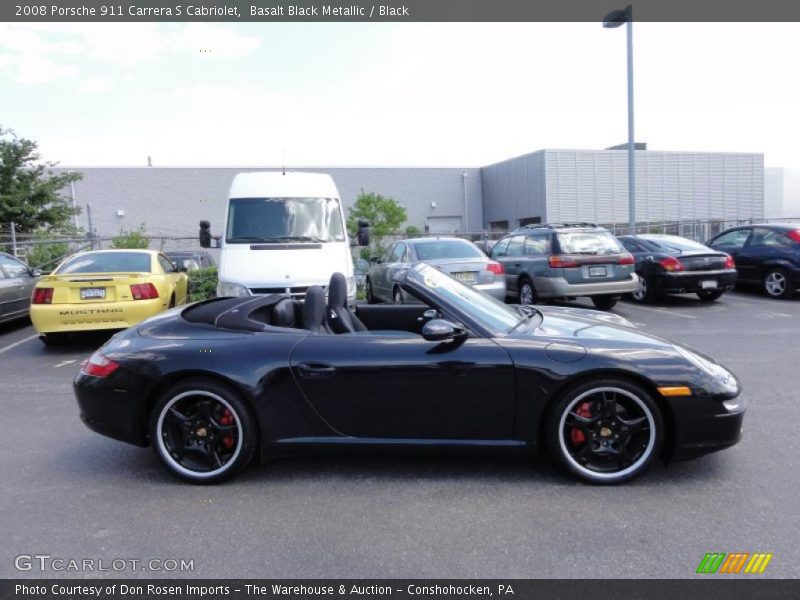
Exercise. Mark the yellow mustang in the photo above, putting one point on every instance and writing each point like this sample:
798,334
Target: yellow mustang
105,289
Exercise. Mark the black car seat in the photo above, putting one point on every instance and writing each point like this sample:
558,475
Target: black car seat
340,318
283,313
314,310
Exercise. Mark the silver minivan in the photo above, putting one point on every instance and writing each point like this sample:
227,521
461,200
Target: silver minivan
566,260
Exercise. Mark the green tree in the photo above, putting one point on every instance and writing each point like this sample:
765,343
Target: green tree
134,238
385,216
30,193
45,256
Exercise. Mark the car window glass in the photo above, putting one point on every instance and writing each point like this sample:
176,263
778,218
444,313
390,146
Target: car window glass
107,262
536,245
388,254
432,250
166,264
397,253
500,248
588,242
13,267
515,246
770,239
733,240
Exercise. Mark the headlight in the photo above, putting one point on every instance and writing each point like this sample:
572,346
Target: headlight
230,288
717,372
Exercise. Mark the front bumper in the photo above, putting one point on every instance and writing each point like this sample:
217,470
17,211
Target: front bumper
691,281
558,287
91,316
711,431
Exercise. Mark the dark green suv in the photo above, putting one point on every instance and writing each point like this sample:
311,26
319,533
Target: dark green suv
566,260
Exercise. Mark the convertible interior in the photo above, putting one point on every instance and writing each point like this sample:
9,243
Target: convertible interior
278,313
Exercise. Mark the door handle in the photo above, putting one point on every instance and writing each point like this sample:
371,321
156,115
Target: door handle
316,370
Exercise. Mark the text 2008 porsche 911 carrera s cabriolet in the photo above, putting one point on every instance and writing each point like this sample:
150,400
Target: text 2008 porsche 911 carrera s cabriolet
210,385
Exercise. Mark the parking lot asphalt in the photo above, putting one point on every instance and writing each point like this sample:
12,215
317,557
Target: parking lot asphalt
72,494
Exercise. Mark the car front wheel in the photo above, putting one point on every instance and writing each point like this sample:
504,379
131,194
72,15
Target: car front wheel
202,431
777,284
368,292
605,431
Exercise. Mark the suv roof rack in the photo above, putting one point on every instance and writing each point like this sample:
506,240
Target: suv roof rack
557,225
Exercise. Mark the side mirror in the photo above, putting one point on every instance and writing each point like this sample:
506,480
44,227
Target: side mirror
205,234
440,330
362,236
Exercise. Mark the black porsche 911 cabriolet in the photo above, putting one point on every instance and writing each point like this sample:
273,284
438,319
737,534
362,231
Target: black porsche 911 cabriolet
210,385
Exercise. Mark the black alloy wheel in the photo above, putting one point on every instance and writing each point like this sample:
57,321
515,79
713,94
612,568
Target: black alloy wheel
527,293
202,431
605,431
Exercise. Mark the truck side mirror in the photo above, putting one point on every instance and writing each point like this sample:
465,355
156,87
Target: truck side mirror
363,232
205,234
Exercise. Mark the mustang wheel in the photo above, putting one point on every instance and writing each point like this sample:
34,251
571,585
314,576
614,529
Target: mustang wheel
777,285
527,293
202,431
605,431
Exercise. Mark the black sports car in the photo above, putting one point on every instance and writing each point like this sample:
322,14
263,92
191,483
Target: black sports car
210,385
669,264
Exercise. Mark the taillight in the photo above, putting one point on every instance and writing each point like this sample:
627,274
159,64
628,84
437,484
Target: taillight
561,262
144,291
99,365
627,259
42,295
794,235
495,267
729,264
671,264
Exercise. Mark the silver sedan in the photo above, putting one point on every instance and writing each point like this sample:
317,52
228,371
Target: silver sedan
459,258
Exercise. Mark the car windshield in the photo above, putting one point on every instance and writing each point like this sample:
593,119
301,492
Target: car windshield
588,242
439,249
106,262
492,314
284,220
675,243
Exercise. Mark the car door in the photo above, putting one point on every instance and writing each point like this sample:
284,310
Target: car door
379,275
732,242
401,386
765,248
18,286
392,267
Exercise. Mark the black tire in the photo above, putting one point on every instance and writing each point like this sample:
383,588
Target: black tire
776,284
605,302
645,294
618,432
368,292
710,295
54,339
526,290
397,295
209,420
172,301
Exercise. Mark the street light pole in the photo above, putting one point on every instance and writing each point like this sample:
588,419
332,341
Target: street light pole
615,19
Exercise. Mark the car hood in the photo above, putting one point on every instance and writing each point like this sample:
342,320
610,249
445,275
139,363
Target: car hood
284,265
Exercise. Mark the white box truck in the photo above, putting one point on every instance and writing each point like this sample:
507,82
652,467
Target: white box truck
284,232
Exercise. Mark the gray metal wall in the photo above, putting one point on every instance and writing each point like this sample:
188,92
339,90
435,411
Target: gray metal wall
514,189
171,201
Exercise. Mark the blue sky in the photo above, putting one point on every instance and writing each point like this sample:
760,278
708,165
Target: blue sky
438,94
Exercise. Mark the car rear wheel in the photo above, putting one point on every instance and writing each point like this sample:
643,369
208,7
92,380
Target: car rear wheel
605,302
527,293
605,431
54,339
644,293
710,295
202,431
777,284
368,292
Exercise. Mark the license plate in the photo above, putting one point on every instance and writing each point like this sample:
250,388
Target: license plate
93,293
597,272
708,284
465,277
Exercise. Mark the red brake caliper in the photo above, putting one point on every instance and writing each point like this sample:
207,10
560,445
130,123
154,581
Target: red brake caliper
227,419
576,435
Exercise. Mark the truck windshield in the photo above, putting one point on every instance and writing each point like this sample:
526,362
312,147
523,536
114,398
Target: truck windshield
284,220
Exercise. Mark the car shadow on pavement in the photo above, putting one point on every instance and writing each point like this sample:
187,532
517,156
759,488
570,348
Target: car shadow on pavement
79,342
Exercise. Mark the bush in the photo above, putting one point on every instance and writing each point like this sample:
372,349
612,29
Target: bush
133,239
46,256
202,284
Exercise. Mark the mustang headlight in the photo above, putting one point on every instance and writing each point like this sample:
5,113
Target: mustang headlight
717,372
231,288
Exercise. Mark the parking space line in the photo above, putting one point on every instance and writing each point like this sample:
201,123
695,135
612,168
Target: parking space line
22,341
665,311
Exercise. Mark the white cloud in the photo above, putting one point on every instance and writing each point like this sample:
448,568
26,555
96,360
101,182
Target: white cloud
35,68
96,85
217,40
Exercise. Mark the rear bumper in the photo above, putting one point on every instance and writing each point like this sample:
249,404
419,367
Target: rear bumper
496,289
55,318
557,287
691,281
